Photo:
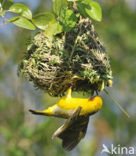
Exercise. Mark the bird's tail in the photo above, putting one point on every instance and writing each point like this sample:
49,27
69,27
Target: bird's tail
44,112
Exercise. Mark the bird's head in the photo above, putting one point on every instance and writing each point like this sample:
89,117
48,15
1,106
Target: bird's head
97,100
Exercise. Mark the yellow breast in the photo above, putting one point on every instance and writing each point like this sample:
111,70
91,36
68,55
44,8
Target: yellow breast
89,106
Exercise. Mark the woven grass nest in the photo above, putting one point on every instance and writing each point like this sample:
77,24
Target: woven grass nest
76,58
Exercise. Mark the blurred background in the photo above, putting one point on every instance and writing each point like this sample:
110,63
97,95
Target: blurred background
22,133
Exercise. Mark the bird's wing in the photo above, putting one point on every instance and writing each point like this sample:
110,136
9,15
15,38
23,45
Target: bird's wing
73,130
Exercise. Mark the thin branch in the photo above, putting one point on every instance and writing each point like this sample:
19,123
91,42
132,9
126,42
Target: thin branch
121,108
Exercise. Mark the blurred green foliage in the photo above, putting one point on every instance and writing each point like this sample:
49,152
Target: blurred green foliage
23,134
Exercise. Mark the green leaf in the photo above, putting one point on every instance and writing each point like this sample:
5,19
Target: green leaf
13,19
81,8
21,9
89,8
43,19
22,22
58,5
68,19
53,28
95,12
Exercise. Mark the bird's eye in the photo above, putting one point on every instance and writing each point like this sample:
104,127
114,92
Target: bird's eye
91,98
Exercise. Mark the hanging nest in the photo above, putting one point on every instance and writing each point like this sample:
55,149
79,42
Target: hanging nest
76,58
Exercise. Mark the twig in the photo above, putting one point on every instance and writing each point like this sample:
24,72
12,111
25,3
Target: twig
122,109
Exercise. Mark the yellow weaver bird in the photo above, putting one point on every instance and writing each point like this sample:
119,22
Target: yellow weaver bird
77,112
